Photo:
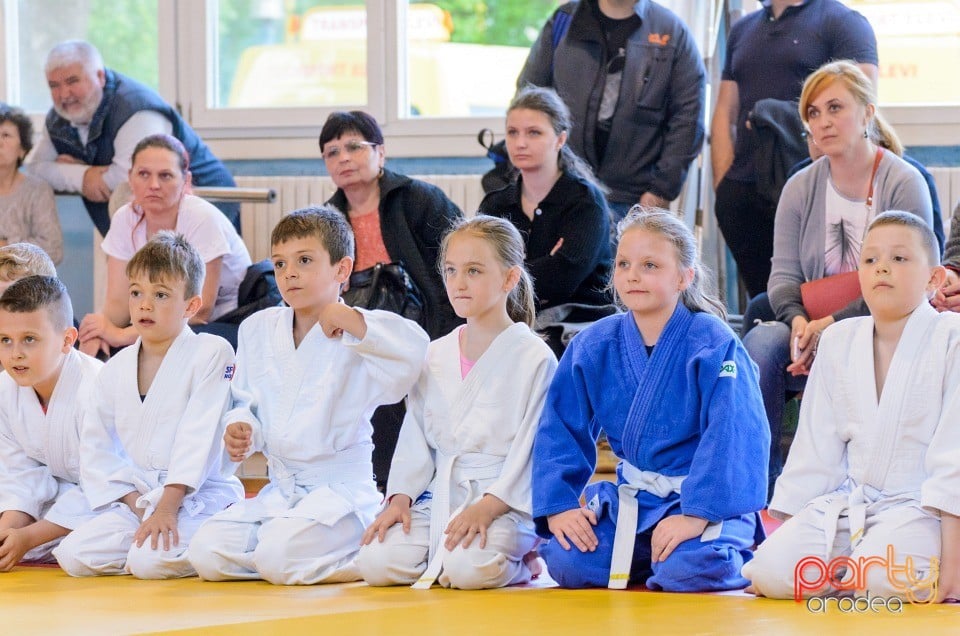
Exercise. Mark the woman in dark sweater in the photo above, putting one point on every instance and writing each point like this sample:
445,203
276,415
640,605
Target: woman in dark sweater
555,202
394,217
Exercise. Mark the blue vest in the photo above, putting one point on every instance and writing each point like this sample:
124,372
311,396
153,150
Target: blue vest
122,98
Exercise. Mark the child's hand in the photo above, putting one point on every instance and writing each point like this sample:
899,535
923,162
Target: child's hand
162,523
576,525
336,318
671,532
13,545
237,439
474,520
398,511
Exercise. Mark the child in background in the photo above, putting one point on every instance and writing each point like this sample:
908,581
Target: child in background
19,260
678,398
874,462
43,395
151,458
309,377
464,450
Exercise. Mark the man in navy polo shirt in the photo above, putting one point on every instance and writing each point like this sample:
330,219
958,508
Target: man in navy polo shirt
769,54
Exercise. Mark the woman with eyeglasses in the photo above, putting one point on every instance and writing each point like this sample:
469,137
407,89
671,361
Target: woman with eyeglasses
394,219
821,220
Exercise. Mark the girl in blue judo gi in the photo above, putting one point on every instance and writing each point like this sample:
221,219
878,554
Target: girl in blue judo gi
677,395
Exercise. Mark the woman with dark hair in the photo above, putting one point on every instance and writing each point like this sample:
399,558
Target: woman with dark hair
558,206
28,211
160,181
395,218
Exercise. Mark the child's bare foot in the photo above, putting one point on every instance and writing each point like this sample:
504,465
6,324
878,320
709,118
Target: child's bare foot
532,560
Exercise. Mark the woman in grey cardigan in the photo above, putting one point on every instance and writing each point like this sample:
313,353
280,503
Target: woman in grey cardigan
821,218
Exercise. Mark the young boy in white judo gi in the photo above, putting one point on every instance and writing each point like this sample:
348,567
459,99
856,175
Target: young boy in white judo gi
873,470
43,393
152,461
19,260
309,377
459,487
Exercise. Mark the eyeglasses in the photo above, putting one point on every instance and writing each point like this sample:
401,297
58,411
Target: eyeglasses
352,147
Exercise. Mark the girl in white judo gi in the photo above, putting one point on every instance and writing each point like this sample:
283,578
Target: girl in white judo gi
678,397
309,376
459,508
873,473
151,457
42,399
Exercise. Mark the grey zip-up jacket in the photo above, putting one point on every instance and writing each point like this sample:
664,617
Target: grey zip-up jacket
657,128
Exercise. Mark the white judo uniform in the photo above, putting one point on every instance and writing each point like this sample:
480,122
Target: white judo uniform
40,452
173,436
866,473
461,439
310,409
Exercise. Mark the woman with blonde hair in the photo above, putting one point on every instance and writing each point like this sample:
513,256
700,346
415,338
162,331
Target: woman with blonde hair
821,220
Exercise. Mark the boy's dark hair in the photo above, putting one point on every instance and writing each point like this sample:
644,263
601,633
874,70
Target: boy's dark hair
169,256
323,222
355,121
906,219
34,293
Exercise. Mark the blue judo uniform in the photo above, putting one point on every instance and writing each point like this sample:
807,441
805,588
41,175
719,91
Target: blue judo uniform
691,412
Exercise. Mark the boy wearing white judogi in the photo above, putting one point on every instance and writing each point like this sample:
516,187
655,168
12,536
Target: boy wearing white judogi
309,377
874,462
151,462
43,393
459,486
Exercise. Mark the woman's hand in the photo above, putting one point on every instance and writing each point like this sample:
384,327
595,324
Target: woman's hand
97,326
804,339
947,298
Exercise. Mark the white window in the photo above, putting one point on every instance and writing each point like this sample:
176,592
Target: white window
918,43
126,33
463,58
257,78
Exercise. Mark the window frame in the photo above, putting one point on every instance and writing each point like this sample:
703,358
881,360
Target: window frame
291,133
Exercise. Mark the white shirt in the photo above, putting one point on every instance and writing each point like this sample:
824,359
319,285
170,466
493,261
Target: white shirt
205,227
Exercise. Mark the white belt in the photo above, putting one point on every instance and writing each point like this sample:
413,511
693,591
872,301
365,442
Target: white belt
469,467
352,465
855,505
625,538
